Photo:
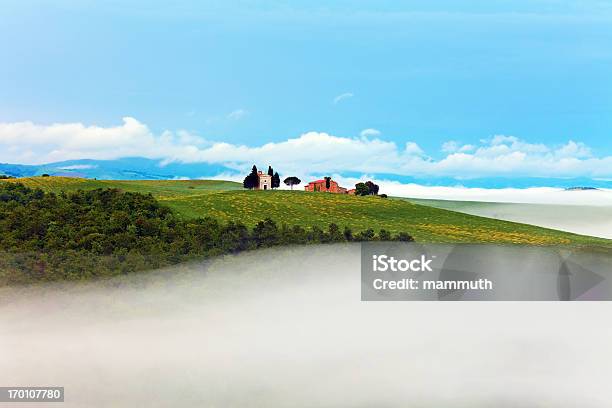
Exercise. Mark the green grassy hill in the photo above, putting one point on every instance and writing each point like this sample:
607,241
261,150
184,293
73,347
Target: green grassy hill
228,201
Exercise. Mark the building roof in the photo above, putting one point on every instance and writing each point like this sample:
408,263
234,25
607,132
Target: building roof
321,181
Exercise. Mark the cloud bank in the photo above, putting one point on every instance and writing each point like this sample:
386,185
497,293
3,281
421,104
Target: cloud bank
309,153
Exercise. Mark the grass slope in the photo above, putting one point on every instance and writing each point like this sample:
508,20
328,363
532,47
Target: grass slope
228,201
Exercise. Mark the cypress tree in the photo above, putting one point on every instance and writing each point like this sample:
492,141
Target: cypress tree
252,180
275,180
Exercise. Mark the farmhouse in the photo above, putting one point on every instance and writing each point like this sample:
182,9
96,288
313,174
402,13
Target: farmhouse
265,181
321,185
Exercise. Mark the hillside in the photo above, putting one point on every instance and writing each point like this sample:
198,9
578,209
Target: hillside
228,201
106,232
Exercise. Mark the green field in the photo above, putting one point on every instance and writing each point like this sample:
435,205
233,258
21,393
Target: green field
226,201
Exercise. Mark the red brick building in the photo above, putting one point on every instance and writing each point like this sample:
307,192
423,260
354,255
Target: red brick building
321,185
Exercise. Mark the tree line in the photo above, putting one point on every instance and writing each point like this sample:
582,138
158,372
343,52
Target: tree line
106,232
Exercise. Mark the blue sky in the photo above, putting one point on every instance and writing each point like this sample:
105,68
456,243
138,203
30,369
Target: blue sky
253,72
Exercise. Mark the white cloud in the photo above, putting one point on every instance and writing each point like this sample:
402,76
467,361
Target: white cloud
79,167
342,97
370,133
452,146
309,153
412,148
29,143
238,114
573,149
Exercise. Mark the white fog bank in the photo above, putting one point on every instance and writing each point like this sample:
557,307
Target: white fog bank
593,220
286,327
534,195
586,212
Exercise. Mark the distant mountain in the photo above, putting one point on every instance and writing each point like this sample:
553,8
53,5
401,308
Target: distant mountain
580,188
134,168
18,170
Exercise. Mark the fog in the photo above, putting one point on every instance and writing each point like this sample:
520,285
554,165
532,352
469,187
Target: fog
286,327
534,195
580,219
